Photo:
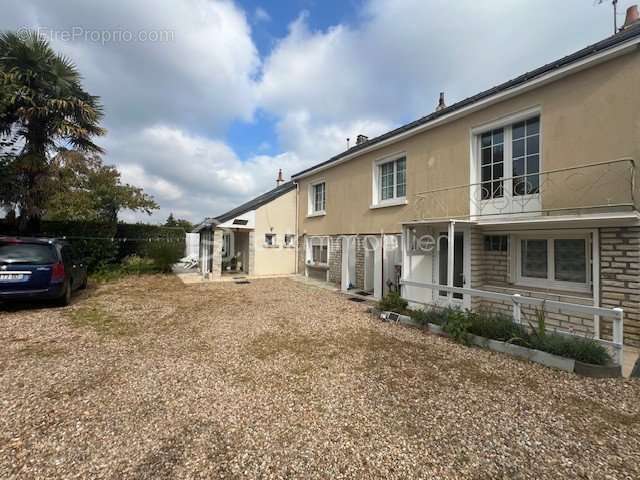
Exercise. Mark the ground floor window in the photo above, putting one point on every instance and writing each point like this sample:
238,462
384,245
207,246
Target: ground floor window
557,262
289,240
319,250
270,239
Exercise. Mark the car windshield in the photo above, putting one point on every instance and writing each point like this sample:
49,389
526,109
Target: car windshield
27,253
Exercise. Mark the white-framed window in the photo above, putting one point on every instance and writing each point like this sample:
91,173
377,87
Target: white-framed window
390,180
270,240
317,198
512,152
562,261
289,240
318,250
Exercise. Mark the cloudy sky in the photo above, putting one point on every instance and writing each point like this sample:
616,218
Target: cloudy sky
206,99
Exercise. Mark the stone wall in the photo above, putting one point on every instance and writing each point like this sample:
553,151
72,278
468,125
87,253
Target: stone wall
302,254
335,259
620,279
216,255
360,262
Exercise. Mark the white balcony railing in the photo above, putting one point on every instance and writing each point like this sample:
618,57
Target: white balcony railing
609,184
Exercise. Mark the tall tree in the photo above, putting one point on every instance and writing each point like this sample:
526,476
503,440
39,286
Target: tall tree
81,187
43,109
172,221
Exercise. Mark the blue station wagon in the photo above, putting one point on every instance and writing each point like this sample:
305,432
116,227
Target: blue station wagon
39,269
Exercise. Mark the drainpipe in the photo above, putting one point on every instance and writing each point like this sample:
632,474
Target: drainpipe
295,261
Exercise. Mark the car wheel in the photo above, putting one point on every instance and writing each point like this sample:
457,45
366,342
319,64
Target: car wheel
65,299
83,285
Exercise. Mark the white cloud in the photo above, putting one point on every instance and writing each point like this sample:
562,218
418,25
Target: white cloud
168,104
261,15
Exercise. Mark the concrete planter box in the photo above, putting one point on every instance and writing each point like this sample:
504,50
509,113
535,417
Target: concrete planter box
530,354
543,358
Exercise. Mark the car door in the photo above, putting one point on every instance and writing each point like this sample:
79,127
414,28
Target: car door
70,266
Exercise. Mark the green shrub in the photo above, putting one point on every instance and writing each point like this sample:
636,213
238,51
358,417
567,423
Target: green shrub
457,325
582,349
393,302
496,327
138,265
164,254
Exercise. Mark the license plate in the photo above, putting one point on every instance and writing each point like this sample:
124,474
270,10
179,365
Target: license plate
11,277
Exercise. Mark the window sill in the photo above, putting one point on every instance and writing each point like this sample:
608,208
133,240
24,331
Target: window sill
270,246
396,202
317,214
288,246
551,286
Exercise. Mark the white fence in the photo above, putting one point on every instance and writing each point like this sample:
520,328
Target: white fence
517,300
192,242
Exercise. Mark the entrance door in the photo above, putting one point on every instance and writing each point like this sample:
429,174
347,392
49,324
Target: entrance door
458,262
348,263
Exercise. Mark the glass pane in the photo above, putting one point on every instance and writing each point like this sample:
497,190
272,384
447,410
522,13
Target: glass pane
498,170
533,126
533,145
498,136
518,186
401,178
518,130
443,262
486,139
518,167
534,258
386,181
324,255
570,260
518,148
486,156
486,174
533,184
533,164
498,153
497,189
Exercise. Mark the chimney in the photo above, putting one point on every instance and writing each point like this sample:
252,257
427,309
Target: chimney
441,104
360,139
279,180
632,17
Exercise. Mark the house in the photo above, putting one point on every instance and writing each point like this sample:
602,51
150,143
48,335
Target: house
255,238
530,187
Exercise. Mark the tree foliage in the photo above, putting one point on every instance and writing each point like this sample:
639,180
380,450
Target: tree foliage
178,222
43,109
82,187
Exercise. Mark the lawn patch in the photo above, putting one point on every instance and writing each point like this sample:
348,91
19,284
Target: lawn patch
101,322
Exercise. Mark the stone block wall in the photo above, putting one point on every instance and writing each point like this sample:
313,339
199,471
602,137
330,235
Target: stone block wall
620,279
251,268
302,254
335,259
360,262
216,255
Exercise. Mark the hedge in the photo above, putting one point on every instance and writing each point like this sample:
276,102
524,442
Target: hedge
105,243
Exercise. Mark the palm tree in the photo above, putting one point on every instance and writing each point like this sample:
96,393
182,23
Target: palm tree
43,110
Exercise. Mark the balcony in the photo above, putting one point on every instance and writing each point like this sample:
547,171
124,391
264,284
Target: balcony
590,188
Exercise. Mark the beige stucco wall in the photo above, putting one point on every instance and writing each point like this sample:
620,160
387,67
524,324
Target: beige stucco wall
590,116
279,217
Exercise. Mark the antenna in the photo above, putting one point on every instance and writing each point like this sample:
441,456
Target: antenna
348,143
615,13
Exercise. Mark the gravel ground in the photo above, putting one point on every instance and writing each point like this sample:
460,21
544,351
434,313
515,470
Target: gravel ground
149,378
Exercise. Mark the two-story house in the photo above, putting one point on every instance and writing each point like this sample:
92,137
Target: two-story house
529,187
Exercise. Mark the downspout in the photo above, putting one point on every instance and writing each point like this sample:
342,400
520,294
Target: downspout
296,249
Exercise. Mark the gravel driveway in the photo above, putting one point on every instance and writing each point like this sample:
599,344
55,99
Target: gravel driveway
149,378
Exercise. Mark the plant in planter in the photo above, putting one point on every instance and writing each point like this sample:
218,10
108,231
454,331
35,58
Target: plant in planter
393,302
457,326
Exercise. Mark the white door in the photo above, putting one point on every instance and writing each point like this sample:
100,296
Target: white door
377,269
344,282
